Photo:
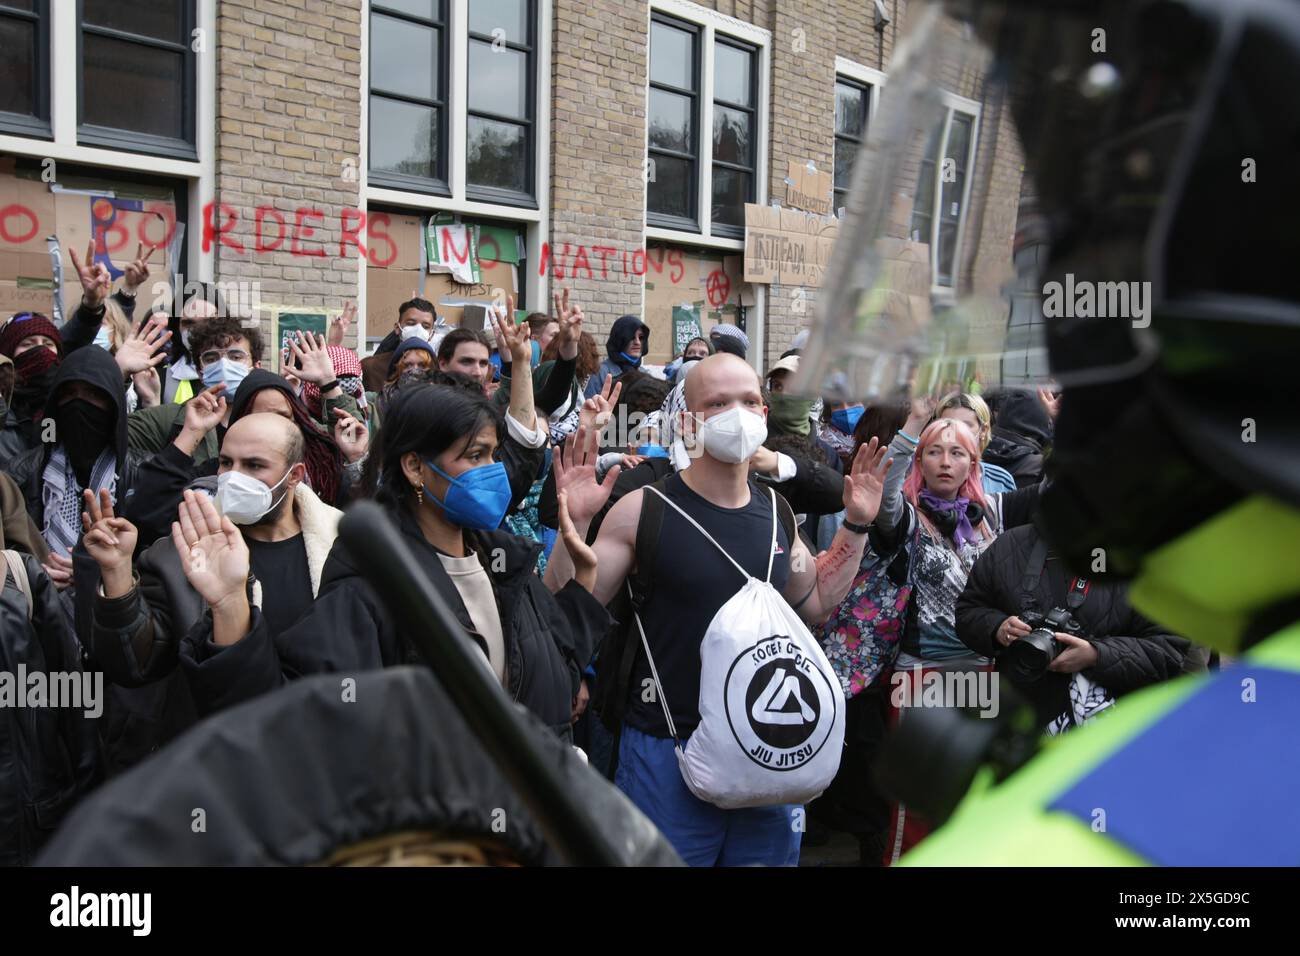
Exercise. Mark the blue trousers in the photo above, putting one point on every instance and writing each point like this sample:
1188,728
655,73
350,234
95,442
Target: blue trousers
702,834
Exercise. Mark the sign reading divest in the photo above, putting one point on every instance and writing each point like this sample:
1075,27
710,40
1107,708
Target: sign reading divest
787,246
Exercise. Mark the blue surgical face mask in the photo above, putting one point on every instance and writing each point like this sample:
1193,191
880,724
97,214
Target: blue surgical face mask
846,419
652,451
477,499
224,370
102,339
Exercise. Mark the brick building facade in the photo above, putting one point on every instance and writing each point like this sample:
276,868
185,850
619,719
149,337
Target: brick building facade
315,138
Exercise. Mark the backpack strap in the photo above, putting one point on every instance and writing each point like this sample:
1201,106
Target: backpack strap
647,542
654,673
614,677
18,570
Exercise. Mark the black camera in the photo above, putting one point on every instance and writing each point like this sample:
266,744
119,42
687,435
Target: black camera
1027,659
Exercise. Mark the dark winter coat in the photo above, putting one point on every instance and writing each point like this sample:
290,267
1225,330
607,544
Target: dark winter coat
49,756
1132,652
549,638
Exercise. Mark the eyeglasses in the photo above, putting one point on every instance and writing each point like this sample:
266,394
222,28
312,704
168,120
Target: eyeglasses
238,356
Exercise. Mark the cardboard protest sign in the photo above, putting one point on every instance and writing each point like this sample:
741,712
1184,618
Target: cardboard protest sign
787,246
118,218
809,189
453,248
706,285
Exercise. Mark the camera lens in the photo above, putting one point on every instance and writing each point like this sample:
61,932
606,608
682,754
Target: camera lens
1026,660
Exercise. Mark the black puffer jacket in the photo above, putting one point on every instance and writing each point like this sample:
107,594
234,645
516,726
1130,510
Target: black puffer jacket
48,755
398,758
96,367
1132,652
549,638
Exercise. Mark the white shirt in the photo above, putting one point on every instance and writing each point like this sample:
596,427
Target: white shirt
475,590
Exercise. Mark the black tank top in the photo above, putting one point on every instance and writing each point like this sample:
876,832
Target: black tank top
691,582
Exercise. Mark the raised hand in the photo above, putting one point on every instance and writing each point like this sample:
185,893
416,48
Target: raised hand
339,327
1051,402
865,483
919,416
570,318
148,388
575,474
96,283
137,270
205,410
351,435
110,540
514,340
145,348
212,551
597,410
315,364
583,558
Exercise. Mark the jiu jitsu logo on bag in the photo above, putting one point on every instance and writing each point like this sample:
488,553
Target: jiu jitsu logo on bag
776,695
771,727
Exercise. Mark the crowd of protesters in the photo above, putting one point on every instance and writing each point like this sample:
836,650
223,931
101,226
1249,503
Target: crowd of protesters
171,512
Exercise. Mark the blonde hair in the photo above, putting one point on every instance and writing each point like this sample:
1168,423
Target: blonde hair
975,404
119,326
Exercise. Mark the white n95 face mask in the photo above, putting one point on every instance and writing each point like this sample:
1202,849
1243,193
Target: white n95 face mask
416,331
734,435
244,499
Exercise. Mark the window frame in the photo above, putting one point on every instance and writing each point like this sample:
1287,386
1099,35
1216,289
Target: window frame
726,229
496,194
952,104
111,137
873,80
21,124
663,220
702,233
440,183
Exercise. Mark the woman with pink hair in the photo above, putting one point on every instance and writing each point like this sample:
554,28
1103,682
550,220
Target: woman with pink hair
934,504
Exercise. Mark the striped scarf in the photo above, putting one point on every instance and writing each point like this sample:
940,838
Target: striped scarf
61,496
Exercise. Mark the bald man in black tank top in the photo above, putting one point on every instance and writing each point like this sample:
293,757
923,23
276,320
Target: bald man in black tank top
724,424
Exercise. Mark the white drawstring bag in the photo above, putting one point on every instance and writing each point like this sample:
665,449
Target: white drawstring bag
771,725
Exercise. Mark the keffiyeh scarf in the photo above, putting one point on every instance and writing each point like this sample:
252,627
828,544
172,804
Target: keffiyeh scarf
61,496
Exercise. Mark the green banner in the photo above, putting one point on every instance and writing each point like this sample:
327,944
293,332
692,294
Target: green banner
685,327
289,323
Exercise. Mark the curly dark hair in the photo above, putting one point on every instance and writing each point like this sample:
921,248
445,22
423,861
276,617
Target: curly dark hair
220,332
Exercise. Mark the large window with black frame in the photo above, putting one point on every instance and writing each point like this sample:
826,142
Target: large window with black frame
735,128
25,67
674,107
852,110
408,115
500,137
137,84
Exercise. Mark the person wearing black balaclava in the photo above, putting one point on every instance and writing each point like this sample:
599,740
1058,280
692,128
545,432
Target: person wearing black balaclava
626,347
34,345
87,406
